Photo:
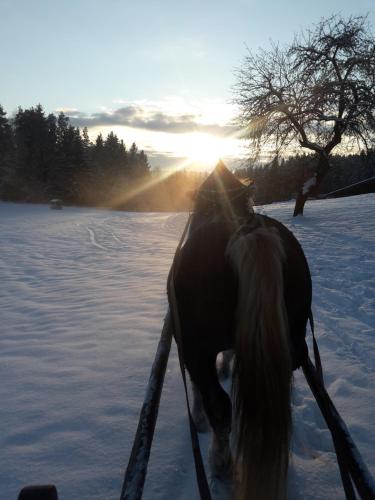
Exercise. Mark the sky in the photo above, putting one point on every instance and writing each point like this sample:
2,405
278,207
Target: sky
160,73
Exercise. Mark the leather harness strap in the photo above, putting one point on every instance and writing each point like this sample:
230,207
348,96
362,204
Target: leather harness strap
352,468
204,489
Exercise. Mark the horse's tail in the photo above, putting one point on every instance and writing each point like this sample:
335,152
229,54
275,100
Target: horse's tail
262,373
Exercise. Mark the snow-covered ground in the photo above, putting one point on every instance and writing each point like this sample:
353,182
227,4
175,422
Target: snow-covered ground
82,299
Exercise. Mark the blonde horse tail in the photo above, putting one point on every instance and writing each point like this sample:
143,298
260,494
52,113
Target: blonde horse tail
262,375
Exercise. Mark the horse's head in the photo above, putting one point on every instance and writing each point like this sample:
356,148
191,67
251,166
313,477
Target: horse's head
223,195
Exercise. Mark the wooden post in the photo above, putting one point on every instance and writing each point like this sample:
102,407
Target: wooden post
136,470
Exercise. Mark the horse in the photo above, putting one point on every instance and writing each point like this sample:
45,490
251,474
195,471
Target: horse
242,283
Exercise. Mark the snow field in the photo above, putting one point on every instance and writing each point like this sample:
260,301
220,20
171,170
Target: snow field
81,306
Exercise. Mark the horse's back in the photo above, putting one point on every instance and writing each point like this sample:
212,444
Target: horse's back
206,286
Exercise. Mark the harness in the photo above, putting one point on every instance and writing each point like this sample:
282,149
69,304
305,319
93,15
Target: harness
204,489
219,201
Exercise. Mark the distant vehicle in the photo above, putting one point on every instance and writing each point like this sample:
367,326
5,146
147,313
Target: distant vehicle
56,204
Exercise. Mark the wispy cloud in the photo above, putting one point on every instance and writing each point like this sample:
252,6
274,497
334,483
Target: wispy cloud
171,130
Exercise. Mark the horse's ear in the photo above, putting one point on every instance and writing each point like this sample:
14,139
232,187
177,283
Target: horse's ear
251,187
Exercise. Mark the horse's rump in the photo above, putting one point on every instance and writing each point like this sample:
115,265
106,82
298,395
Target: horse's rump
207,286
297,284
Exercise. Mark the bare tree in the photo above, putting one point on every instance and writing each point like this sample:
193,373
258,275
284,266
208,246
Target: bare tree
316,93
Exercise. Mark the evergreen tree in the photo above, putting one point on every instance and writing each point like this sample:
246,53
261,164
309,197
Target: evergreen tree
6,140
32,144
69,166
86,139
8,181
42,157
143,165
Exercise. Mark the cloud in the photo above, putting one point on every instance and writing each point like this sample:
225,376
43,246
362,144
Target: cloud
136,116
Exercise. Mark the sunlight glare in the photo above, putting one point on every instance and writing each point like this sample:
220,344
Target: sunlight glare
206,149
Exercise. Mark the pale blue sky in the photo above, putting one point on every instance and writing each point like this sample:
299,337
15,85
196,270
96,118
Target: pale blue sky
166,56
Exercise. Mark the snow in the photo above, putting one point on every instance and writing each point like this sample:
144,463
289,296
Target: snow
309,184
82,302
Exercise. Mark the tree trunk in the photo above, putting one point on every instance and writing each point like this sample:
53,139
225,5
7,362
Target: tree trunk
300,203
311,186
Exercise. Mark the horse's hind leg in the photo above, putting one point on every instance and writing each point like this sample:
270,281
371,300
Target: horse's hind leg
224,364
198,413
217,405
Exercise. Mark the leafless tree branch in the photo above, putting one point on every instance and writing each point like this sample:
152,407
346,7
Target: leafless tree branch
314,92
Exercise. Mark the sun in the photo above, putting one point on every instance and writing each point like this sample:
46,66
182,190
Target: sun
205,150
196,151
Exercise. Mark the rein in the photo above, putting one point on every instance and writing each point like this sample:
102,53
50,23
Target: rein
204,489
352,468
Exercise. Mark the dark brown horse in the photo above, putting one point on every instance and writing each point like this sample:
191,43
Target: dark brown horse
243,283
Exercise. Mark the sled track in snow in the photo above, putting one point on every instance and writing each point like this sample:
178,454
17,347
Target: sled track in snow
93,239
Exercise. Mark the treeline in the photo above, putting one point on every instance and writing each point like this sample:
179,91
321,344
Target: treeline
44,157
282,178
